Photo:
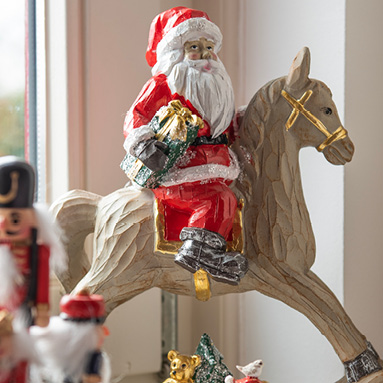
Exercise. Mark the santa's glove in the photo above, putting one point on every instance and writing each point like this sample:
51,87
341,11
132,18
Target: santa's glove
229,379
152,153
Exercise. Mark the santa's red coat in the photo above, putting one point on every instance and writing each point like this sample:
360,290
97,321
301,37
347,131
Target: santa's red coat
212,209
155,94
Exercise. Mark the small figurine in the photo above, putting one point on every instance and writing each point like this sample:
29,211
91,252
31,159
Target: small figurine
29,240
252,372
200,206
212,368
71,346
182,367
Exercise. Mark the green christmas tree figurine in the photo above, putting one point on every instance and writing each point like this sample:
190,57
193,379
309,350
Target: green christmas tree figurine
212,369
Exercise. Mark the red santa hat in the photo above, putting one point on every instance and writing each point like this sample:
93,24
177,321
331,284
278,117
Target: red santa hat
83,307
172,28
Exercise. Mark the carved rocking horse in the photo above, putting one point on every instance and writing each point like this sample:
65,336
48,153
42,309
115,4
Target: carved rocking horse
285,115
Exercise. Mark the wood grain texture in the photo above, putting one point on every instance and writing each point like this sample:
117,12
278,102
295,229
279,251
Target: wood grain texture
279,241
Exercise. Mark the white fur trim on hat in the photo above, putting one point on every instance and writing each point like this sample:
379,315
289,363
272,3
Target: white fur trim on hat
189,30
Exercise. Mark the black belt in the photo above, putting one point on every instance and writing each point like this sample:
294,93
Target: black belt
205,140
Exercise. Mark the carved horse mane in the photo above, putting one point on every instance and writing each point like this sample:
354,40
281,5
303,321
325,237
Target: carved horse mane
285,115
274,165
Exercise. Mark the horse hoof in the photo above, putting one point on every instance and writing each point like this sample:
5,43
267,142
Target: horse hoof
376,377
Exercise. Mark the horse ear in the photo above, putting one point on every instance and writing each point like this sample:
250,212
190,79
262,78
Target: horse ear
300,70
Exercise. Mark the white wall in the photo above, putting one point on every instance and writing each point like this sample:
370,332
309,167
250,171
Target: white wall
364,176
291,347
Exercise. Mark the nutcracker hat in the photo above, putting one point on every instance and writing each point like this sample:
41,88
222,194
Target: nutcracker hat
83,307
172,28
17,183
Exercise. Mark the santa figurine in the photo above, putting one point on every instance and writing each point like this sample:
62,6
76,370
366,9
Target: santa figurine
71,346
182,51
30,245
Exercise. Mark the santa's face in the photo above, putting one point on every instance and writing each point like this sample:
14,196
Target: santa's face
199,49
206,84
16,224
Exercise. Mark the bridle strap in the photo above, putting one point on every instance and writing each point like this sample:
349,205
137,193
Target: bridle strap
298,107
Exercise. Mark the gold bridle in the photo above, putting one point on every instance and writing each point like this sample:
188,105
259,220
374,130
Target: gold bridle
298,107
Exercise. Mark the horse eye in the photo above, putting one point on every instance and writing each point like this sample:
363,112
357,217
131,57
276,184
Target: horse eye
327,110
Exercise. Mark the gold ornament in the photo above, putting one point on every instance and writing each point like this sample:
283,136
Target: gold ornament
202,285
176,116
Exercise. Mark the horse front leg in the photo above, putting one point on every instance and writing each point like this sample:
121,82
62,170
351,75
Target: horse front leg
309,295
362,363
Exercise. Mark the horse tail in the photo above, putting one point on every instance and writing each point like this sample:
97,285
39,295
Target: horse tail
122,263
75,212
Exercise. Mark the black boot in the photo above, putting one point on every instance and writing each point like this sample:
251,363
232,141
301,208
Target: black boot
204,249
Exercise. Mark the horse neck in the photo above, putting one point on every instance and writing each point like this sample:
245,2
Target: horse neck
275,199
280,172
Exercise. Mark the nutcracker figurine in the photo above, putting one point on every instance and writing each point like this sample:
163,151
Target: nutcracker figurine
29,240
187,73
80,328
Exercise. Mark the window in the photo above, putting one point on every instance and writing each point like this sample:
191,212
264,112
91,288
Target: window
12,77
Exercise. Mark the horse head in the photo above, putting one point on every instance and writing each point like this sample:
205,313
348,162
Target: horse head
311,102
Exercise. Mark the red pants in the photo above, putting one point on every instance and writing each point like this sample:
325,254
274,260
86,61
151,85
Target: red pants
211,205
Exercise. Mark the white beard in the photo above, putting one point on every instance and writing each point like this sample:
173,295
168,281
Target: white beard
206,84
9,275
58,361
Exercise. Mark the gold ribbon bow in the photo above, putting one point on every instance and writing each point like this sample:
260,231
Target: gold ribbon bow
175,126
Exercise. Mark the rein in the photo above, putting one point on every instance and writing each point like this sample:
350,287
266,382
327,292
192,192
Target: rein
298,107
